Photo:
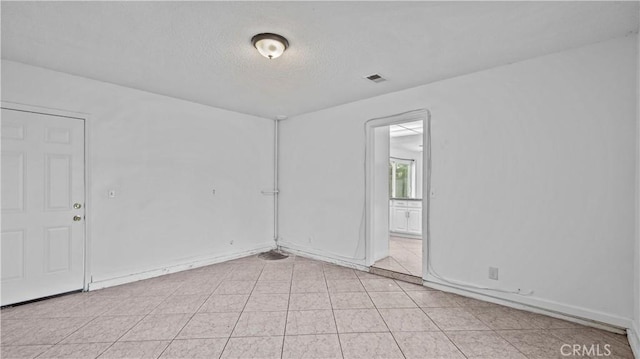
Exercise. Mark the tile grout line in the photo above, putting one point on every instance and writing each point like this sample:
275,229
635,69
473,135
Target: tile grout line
191,317
133,326
84,325
242,311
286,319
381,317
333,313
434,323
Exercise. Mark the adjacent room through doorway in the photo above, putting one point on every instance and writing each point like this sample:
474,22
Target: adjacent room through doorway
405,177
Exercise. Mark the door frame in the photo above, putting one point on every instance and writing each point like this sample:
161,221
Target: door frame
87,173
370,125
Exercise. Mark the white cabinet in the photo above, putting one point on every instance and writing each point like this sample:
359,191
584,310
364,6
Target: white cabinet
414,220
399,219
406,216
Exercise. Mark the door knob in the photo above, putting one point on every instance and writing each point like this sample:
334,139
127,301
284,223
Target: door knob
77,218
77,205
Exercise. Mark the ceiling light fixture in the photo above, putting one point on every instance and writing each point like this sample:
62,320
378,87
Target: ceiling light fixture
270,45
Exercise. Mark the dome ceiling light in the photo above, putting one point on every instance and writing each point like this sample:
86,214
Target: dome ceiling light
270,45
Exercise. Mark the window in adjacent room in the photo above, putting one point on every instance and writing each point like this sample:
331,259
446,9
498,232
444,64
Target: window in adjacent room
401,177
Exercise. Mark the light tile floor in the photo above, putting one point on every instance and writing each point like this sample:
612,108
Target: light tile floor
405,256
293,308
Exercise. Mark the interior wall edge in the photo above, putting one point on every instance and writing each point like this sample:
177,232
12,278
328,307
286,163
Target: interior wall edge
584,316
322,256
187,265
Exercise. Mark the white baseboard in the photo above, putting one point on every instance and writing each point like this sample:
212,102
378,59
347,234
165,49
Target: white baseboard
633,334
605,321
179,267
322,256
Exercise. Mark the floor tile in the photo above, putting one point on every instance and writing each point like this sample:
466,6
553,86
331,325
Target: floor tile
272,287
369,346
339,273
535,344
502,318
244,275
309,301
180,304
344,285
276,275
454,319
594,338
321,346
288,301
427,345
350,300
135,350
40,330
224,303
194,349
471,302
433,299
253,347
82,351
380,285
314,275
409,319
22,351
267,302
136,306
310,322
209,325
484,345
103,329
157,327
366,275
410,287
205,288
546,322
308,285
392,300
235,287
252,324
359,321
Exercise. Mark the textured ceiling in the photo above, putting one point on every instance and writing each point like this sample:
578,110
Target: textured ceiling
201,51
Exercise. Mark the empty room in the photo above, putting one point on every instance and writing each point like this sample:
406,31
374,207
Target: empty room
317,179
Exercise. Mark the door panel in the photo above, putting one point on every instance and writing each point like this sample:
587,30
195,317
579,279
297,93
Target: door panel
12,182
42,177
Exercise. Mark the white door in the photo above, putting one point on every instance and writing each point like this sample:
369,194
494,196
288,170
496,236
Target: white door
42,241
414,223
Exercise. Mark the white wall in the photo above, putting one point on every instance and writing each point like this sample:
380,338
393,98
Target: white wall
533,169
380,208
163,157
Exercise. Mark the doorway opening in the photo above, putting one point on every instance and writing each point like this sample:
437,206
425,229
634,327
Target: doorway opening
395,187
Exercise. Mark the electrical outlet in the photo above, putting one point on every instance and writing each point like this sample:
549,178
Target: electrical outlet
493,273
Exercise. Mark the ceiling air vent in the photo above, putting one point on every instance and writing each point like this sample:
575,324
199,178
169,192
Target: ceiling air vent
375,78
